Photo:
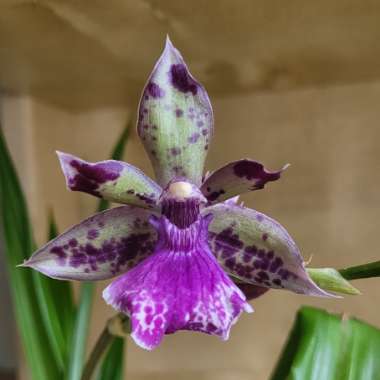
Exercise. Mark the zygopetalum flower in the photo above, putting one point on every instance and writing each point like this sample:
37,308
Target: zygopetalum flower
189,257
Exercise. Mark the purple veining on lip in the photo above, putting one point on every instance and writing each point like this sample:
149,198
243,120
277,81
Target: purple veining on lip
182,80
179,287
155,91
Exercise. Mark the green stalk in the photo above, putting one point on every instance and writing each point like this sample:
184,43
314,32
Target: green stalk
80,331
101,346
361,271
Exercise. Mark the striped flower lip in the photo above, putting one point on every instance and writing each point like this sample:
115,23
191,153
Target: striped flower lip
188,256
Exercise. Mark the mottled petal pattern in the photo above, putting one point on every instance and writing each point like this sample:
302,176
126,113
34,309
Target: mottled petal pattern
179,287
115,181
100,247
175,120
236,178
258,250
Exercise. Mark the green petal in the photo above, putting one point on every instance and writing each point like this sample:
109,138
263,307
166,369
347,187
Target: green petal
175,120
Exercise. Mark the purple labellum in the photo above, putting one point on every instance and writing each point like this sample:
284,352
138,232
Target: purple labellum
179,287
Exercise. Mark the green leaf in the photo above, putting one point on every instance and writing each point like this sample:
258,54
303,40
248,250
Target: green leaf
87,289
18,246
82,323
330,279
112,366
63,295
361,271
56,303
329,347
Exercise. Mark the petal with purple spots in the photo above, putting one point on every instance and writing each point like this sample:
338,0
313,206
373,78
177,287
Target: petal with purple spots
115,181
256,249
236,178
175,120
179,287
100,247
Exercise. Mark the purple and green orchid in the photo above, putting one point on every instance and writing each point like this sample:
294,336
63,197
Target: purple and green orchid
188,255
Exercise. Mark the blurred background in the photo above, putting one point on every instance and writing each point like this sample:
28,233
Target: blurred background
295,82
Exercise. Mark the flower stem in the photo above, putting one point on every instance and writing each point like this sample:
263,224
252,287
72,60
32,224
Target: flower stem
101,347
116,326
79,339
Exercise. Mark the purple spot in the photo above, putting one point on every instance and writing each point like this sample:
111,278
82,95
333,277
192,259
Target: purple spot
227,243
178,112
117,252
155,91
175,151
181,79
193,138
73,242
265,237
204,132
215,195
90,176
230,263
149,319
159,308
259,217
92,234
263,275
276,264
252,170
200,124
251,250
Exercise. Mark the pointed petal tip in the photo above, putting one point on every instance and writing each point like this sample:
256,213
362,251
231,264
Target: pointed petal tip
248,308
168,42
24,264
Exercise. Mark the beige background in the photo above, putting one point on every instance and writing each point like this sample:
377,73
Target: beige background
326,126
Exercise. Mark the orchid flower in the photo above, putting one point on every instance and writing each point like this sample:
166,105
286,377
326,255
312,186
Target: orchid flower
188,255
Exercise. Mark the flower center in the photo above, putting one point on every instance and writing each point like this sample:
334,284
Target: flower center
181,202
